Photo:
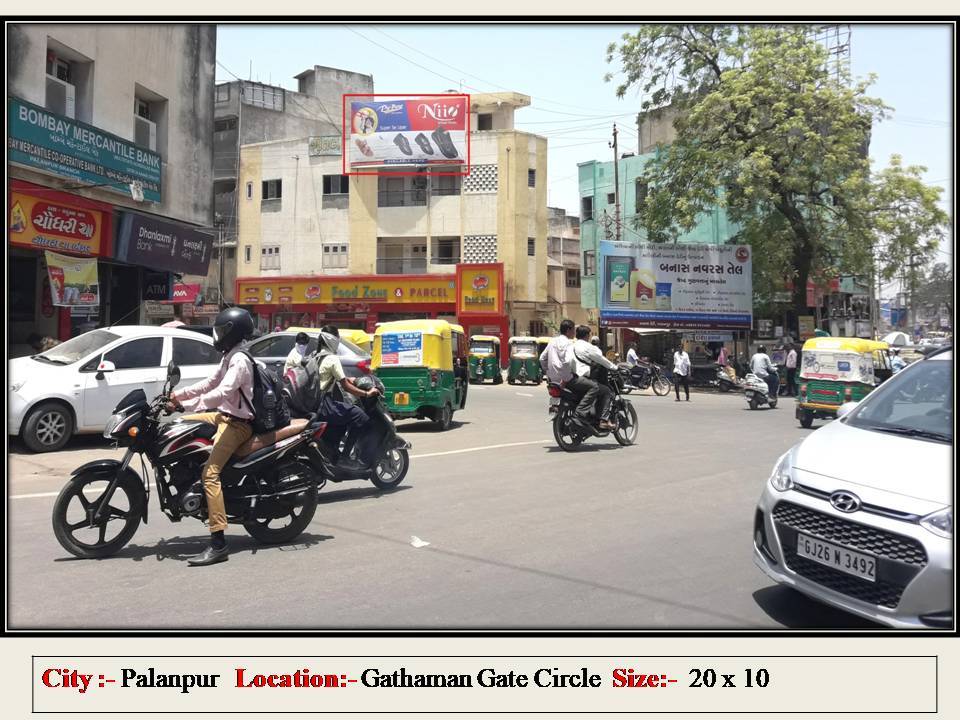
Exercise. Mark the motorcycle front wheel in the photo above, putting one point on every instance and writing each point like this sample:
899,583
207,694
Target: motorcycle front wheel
391,469
567,438
661,386
628,426
73,523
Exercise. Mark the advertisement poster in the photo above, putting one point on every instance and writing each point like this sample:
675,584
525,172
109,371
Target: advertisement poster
52,224
676,286
402,349
807,325
73,281
325,145
426,130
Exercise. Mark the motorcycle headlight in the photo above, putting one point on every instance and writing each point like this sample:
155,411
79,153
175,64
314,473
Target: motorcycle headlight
111,425
782,477
940,523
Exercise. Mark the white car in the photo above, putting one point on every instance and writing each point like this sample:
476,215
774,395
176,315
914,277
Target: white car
73,387
859,515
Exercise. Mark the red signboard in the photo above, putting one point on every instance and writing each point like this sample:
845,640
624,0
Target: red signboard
184,293
45,219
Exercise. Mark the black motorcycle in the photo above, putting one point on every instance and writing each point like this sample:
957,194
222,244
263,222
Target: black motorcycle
379,440
270,485
644,375
570,432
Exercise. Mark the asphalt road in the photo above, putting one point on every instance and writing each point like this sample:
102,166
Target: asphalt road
521,535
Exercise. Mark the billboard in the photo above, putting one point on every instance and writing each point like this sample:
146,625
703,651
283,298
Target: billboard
675,285
399,130
73,281
480,289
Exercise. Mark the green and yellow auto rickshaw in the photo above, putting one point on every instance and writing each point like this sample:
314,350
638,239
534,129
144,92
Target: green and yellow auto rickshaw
417,362
485,359
836,370
524,361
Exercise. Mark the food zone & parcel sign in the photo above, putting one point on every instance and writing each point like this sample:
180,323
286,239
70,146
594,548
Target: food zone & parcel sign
45,141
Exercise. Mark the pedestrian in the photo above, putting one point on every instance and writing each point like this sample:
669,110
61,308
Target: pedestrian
177,318
791,363
722,356
681,371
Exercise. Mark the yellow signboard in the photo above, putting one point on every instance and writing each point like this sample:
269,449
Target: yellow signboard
480,289
347,289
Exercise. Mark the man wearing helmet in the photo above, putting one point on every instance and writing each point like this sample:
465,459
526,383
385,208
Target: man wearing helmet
762,366
340,416
224,400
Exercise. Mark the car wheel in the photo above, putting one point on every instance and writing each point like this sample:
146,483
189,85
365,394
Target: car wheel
48,427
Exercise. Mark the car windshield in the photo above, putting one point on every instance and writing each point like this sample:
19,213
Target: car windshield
918,402
353,350
70,351
525,348
478,346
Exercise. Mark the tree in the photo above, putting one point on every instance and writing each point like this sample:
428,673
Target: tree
936,288
765,129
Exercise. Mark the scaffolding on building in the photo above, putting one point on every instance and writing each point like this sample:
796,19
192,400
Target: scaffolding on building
836,39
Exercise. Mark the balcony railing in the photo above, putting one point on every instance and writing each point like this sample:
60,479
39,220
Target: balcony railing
401,266
401,198
445,260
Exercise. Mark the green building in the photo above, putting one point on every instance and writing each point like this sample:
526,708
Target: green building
597,213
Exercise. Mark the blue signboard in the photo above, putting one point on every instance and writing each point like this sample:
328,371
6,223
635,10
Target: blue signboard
402,348
42,140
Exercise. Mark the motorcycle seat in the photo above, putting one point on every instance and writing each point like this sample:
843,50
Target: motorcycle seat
259,442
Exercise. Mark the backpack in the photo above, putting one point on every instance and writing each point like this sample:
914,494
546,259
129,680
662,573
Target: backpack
301,386
268,405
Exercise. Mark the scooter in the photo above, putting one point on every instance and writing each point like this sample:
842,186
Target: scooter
757,392
725,384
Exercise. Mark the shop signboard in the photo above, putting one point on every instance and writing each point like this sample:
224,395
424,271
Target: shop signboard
155,308
708,337
765,328
157,286
325,145
806,326
676,286
480,289
162,245
398,130
55,144
346,289
73,280
52,222
401,349
185,293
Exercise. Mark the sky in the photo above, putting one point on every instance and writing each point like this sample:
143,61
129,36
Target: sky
562,68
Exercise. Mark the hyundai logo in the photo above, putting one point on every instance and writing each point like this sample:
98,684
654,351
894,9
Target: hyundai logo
845,502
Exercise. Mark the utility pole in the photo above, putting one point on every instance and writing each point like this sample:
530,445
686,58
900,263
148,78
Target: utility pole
616,183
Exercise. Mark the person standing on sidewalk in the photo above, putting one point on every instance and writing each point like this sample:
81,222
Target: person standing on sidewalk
791,363
681,371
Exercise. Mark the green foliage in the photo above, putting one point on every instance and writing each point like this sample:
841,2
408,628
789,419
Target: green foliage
765,129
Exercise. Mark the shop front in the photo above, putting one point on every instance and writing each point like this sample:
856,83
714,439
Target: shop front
347,301
46,229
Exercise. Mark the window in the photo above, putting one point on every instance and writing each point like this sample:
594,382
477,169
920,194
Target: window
641,198
531,246
271,190
270,257
144,124
586,208
246,253
532,178
140,353
249,191
194,352
278,346
265,96
334,256
446,251
485,121
231,253
589,263
225,124
446,185
538,328
336,184
223,92
573,278
61,86
141,108
611,198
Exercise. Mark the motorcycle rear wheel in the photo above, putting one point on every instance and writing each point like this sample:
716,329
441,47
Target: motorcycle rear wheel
567,439
69,520
265,532
661,386
627,435
391,469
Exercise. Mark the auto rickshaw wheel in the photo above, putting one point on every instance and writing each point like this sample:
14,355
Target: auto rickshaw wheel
444,417
497,377
806,419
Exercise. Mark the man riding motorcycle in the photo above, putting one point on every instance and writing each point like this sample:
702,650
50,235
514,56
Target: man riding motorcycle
225,399
589,357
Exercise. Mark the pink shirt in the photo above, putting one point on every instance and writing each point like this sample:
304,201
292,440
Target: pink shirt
222,390
174,323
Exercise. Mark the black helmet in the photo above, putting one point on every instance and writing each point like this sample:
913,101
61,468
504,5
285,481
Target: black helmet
762,349
232,326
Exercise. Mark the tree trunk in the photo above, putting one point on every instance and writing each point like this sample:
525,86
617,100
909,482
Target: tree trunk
802,255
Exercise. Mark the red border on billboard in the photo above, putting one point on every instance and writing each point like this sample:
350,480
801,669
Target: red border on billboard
412,173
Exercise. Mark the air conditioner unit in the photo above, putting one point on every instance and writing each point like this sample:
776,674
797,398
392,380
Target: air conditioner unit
145,132
61,97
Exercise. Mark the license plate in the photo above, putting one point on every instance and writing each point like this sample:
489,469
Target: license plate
837,557
401,399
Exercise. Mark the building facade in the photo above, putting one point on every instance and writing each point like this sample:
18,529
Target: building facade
299,216
110,157
563,269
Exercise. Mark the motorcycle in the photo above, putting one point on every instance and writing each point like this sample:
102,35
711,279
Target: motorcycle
270,485
570,432
642,376
381,442
757,392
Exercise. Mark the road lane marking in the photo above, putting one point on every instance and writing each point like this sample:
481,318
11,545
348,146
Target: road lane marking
28,496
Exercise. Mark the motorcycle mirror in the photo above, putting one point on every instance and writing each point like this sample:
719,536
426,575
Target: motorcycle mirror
173,374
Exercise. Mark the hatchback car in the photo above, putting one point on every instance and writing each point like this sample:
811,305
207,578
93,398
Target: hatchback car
859,514
73,387
272,350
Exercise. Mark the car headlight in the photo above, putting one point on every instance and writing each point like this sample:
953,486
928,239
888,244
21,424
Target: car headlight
782,477
940,523
15,386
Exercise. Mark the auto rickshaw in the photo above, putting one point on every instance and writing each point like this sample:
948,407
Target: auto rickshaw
524,361
415,360
836,370
485,359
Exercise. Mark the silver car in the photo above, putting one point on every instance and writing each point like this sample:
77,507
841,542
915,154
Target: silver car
272,350
859,514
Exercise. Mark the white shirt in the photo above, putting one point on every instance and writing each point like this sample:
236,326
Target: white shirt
585,351
760,365
681,363
331,371
632,356
792,359
557,359
293,359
